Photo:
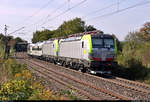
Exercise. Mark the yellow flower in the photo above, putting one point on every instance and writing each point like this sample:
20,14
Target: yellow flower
17,75
27,74
4,98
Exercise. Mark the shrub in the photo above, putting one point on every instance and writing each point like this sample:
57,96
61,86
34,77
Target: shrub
15,90
133,62
20,85
13,67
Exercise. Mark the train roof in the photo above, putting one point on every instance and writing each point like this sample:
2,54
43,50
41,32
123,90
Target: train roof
96,35
77,36
102,36
37,44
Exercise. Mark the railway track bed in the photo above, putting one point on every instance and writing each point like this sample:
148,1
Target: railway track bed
90,86
131,89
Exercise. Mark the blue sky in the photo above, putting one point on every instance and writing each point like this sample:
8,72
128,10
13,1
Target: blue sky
17,14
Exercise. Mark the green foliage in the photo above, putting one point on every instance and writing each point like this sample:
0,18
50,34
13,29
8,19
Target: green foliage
68,27
73,26
131,68
18,39
42,35
144,33
13,67
2,50
70,94
2,38
20,85
134,60
15,90
90,28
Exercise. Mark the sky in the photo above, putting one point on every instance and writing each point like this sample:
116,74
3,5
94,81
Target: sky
32,15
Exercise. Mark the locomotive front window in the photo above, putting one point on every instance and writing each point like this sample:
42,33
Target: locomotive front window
97,43
109,43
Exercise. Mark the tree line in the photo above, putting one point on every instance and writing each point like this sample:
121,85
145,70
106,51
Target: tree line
8,44
134,55
76,25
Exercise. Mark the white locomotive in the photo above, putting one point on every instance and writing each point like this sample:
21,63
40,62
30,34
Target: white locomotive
89,52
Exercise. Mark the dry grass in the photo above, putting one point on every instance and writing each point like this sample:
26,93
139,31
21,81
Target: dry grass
4,77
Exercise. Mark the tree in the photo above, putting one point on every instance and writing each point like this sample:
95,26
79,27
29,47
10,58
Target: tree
42,35
36,36
90,28
144,33
18,39
73,26
2,38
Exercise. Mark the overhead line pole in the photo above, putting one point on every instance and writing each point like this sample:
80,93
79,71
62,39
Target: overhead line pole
5,42
5,29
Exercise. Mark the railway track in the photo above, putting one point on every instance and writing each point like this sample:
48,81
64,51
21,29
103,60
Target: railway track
97,91
121,86
48,75
141,87
138,89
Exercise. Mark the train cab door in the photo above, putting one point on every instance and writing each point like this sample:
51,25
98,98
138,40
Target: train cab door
54,49
84,49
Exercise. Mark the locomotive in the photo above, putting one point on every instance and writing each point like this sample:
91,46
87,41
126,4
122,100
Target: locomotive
91,52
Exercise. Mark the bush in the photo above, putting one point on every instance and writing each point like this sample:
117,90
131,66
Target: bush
16,90
20,85
132,62
13,67
2,50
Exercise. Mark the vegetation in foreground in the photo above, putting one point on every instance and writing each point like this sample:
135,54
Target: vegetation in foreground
17,83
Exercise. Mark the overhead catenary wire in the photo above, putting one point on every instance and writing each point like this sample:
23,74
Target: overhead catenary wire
104,8
121,10
16,30
36,13
105,15
65,11
78,4
141,3
40,9
1,29
53,12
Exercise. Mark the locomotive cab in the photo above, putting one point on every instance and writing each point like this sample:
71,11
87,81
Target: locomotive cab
101,56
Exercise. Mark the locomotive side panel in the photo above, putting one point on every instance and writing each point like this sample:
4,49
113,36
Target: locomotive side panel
71,49
37,49
48,49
